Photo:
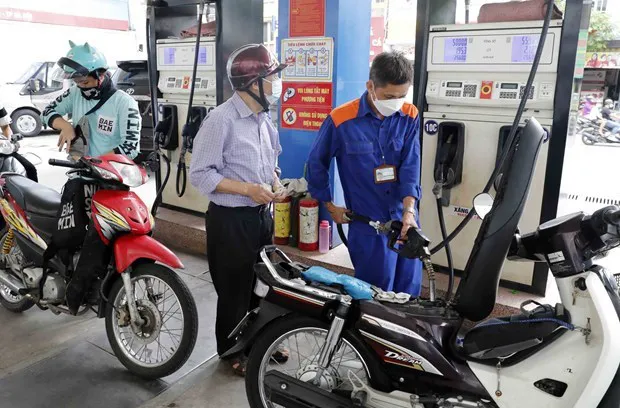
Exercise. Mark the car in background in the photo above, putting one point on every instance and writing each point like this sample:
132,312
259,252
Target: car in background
132,76
27,96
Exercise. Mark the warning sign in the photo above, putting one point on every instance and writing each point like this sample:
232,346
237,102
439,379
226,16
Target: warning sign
304,118
307,18
308,59
305,105
289,116
307,93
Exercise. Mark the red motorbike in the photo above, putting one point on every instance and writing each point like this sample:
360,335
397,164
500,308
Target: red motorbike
150,315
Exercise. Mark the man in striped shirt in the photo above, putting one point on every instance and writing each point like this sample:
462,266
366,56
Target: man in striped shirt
234,163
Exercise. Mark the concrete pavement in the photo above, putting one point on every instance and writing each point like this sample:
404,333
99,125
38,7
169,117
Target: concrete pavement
37,337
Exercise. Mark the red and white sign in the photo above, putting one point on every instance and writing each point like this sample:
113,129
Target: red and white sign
44,17
306,18
305,105
377,36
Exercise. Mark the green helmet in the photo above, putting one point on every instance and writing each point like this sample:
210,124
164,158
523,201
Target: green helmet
82,60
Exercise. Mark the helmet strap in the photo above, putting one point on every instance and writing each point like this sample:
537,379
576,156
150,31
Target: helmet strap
262,100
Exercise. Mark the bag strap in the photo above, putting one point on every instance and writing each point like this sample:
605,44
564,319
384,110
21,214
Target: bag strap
102,101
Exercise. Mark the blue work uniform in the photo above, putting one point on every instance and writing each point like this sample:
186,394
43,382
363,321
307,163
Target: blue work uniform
361,141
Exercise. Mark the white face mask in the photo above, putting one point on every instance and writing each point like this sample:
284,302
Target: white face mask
276,91
388,107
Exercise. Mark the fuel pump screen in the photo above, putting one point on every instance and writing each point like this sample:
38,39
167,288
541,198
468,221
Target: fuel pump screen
510,86
455,49
202,55
524,47
169,54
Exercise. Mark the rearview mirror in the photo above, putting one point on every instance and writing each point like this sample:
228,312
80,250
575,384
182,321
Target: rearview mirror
35,85
483,203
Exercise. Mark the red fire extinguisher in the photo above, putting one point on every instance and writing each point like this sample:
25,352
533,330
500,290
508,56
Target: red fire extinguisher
309,224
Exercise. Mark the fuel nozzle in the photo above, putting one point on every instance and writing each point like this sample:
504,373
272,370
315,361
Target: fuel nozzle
428,265
443,160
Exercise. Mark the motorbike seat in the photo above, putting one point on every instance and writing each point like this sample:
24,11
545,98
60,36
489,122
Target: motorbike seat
500,338
33,197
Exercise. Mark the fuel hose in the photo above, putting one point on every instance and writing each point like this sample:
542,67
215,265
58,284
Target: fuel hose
181,167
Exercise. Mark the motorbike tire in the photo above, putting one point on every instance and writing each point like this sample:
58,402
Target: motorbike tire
190,323
587,141
279,328
24,303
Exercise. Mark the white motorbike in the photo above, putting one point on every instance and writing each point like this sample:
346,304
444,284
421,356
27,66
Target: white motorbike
352,345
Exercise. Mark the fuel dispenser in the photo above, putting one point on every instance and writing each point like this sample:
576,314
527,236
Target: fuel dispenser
187,52
477,75
175,59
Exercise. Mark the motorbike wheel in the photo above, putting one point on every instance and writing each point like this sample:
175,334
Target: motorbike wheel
303,366
587,141
136,349
10,300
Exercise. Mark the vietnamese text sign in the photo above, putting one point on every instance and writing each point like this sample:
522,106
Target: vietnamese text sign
306,18
308,59
305,105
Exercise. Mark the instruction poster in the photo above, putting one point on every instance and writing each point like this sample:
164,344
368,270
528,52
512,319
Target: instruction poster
305,105
306,18
308,59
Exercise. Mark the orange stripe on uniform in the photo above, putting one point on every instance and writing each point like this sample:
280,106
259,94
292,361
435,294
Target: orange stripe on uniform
410,109
345,112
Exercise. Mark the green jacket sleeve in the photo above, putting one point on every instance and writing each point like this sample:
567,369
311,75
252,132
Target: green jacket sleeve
131,125
59,107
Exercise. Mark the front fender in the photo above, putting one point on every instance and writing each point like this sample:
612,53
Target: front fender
129,248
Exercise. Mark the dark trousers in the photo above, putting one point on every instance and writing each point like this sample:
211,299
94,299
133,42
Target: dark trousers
234,239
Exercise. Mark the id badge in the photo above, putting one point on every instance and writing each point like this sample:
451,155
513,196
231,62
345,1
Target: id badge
385,174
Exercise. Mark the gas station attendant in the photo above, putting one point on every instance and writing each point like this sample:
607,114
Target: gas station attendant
234,158
375,140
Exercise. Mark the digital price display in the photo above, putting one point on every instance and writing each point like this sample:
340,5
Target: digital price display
169,56
454,84
202,56
510,86
524,47
455,50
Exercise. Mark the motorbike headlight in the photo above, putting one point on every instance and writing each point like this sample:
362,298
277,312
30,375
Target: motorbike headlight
6,147
131,174
106,174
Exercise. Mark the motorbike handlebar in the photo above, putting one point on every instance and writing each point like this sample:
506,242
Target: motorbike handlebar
66,163
612,216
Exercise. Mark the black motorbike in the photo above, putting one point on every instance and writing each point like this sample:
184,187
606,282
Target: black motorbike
591,133
352,345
